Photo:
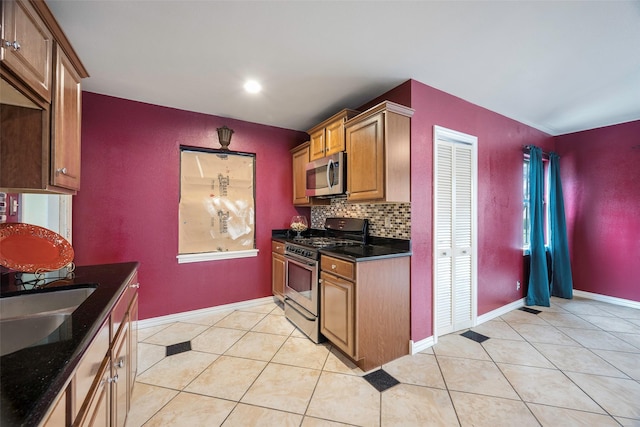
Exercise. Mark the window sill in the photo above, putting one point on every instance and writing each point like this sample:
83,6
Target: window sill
215,256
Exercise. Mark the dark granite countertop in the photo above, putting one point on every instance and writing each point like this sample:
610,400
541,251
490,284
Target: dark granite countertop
361,253
375,247
31,378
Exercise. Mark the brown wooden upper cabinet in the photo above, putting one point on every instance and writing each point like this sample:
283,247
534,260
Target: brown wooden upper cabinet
378,146
27,46
328,137
65,124
40,119
300,157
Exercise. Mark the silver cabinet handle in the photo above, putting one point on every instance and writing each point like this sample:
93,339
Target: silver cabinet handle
135,285
333,266
63,171
119,364
15,45
113,379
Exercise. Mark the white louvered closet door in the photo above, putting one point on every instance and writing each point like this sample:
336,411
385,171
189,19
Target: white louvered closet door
454,237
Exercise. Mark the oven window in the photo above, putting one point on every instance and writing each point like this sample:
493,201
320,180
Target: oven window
300,280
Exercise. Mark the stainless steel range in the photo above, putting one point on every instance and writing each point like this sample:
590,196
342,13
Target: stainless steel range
302,293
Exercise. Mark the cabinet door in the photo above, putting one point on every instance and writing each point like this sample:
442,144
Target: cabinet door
278,275
120,378
317,145
30,51
334,137
133,339
98,411
300,160
89,367
65,135
365,165
58,415
337,308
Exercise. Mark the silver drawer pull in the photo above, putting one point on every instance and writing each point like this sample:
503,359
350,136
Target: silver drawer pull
333,266
135,285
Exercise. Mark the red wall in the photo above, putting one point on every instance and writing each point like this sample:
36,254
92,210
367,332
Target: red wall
127,208
500,142
129,198
600,176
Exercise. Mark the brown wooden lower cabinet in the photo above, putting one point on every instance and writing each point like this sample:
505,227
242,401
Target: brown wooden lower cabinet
278,273
113,386
364,308
96,410
120,374
99,392
337,298
58,415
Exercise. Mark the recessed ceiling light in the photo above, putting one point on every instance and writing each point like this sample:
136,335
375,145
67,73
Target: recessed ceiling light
252,86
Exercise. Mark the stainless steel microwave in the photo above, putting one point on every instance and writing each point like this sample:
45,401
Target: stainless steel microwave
326,176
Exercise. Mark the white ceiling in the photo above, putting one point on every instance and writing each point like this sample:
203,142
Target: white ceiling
559,66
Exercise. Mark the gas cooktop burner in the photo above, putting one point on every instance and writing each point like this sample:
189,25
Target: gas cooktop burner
323,242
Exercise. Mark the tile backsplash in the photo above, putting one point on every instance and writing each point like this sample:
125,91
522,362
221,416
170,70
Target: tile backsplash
399,215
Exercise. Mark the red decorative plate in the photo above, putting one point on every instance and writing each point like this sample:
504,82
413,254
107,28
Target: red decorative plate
29,248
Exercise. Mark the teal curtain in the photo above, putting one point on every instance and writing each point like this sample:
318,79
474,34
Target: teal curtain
538,290
561,278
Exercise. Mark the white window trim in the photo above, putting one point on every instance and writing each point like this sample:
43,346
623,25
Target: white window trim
216,256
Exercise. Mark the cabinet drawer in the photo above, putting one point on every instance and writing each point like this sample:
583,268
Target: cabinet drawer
277,247
338,267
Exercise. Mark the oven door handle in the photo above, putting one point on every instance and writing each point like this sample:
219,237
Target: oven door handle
301,261
329,174
300,309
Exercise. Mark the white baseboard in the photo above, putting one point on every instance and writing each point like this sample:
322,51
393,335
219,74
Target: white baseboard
185,315
605,298
500,311
423,344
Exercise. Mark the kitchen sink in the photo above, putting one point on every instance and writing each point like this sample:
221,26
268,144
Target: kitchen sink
52,300
22,332
37,318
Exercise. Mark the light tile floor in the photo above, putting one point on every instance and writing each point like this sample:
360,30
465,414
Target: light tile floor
576,363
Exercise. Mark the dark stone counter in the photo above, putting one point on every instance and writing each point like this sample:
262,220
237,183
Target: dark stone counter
374,249
31,378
